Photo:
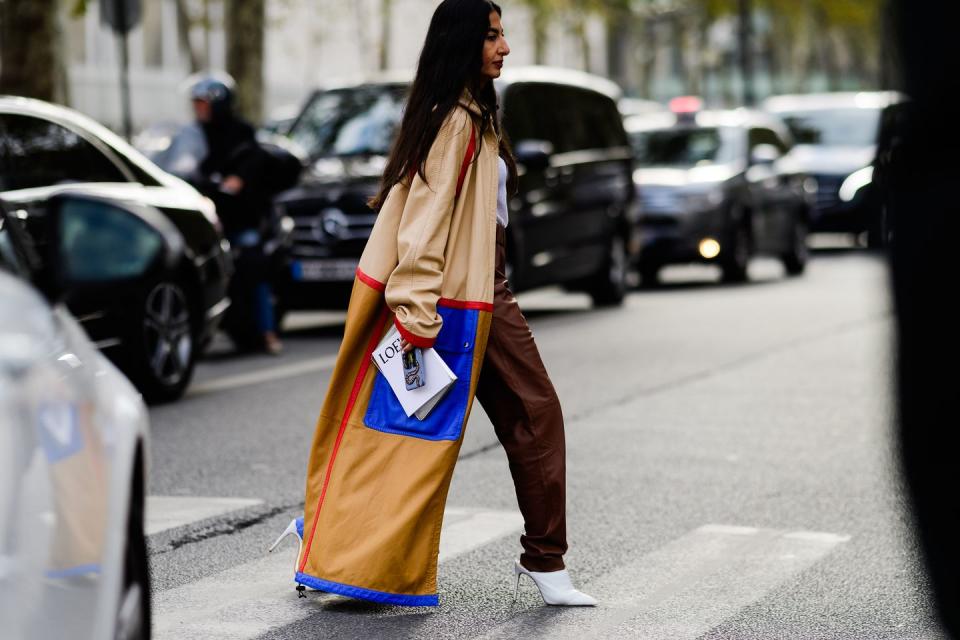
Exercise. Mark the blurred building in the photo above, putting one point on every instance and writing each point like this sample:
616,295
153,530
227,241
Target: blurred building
661,50
307,42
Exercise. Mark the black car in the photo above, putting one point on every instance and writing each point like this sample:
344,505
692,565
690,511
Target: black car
717,187
571,223
836,136
153,335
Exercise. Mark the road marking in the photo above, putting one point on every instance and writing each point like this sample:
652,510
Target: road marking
267,374
169,512
251,599
682,590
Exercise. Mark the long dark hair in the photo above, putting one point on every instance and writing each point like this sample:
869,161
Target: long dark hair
450,62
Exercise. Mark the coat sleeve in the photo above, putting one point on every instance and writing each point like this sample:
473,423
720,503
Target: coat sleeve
414,286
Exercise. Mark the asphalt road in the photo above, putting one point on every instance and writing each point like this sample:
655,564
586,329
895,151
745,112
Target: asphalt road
731,474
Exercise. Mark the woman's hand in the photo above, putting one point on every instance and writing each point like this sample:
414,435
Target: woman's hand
406,346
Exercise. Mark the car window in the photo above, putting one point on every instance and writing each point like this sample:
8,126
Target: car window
39,153
763,135
855,127
574,108
355,121
105,242
684,146
530,114
595,123
13,258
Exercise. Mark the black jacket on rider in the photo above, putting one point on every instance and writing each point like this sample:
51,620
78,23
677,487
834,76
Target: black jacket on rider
233,151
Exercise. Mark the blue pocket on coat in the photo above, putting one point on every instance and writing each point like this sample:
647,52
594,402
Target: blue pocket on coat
455,344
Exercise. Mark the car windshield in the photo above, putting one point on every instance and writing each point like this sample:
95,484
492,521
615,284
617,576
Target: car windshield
684,147
349,122
852,127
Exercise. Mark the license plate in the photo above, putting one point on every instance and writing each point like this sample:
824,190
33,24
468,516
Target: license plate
332,270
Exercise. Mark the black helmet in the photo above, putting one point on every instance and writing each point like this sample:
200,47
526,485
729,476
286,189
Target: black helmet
215,88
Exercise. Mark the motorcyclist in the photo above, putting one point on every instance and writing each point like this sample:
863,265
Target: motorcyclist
231,174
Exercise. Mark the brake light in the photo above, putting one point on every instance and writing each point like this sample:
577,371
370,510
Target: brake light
683,105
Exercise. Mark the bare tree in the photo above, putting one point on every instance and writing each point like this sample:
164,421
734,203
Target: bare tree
541,12
245,21
28,48
386,16
184,25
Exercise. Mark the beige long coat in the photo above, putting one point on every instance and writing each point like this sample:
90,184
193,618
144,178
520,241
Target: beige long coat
377,481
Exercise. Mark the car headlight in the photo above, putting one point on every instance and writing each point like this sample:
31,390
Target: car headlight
854,182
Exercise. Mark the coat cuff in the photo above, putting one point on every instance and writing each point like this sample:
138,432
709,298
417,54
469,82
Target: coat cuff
415,340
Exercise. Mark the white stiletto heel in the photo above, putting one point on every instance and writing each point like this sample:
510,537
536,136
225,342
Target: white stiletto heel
555,587
291,529
294,528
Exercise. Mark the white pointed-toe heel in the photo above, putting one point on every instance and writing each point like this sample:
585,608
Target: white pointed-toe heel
294,528
555,587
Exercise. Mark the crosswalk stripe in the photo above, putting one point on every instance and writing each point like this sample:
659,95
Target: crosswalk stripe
266,374
682,590
249,600
169,512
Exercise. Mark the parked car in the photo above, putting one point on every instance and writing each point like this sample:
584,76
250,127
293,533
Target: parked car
571,223
836,135
156,335
639,107
890,142
73,432
717,187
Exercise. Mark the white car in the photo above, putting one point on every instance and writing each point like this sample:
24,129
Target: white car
73,436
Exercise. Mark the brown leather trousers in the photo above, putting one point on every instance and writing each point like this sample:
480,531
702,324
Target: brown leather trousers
516,392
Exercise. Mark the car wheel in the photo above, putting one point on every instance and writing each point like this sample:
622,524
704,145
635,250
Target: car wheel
649,275
610,283
795,258
133,614
736,257
165,353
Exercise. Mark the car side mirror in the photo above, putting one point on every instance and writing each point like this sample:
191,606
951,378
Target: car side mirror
765,154
95,243
533,154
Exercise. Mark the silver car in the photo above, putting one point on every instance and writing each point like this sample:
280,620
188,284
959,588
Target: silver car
73,436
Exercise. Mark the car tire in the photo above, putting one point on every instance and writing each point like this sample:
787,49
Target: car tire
164,350
133,613
609,286
795,258
736,257
649,275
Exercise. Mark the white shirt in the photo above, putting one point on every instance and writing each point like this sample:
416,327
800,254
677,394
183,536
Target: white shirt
502,195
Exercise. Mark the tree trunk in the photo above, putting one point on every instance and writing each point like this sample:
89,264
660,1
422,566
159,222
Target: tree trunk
540,23
386,13
648,58
580,31
184,23
245,31
28,41
618,30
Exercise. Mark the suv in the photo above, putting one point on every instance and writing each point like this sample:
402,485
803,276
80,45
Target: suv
836,136
571,222
717,187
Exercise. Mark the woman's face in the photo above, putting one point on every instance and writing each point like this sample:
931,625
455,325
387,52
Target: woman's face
495,48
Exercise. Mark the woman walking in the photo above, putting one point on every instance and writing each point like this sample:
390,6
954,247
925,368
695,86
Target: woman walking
377,480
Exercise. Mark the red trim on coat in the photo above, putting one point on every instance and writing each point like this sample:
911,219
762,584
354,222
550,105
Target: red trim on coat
412,338
370,281
466,161
354,393
465,304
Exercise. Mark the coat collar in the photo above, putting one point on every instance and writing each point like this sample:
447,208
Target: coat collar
468,103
